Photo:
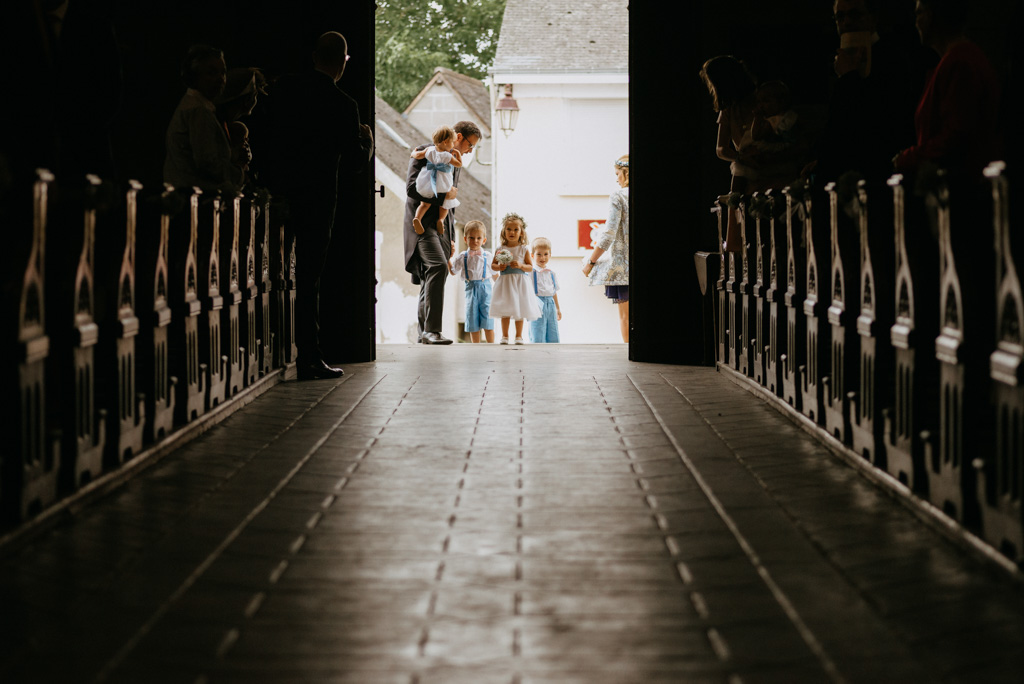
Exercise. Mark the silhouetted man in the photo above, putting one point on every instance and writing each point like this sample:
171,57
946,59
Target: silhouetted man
312,125
426,255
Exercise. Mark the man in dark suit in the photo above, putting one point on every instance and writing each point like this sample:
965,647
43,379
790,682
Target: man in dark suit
312,125
427,255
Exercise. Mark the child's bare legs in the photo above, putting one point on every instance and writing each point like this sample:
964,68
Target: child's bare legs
474,337
489,336
417,222
504,326
519,327
441,213
624,320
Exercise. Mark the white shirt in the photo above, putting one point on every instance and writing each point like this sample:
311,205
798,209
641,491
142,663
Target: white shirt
547,286
479,265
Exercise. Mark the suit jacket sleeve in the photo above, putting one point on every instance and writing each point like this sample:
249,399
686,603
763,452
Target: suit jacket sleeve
352,146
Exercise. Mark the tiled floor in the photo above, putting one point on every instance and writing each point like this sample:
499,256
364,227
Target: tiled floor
504,514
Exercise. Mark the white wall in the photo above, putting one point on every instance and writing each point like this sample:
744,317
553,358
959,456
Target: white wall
557,168
396,296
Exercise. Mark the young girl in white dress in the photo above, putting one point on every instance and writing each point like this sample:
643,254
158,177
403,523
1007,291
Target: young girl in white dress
436,177
513,296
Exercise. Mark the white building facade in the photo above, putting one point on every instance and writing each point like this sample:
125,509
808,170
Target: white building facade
567,64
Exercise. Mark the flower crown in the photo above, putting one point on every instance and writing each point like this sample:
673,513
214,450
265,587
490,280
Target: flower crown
622,164
512,216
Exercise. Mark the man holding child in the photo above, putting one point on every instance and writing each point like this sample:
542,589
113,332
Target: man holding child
427,254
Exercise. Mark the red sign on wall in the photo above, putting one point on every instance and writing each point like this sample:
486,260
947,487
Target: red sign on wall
589,230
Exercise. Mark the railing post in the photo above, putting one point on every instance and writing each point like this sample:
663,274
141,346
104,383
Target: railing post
1001,473
85,431
721,325
131,404
915,383
733,321
813,389
962,353
874,388
796,324
278,309
842,308
184,290
745,305
233,350
267,342
154,363
210,330
288,287
249,287
760,208
28,474
776,338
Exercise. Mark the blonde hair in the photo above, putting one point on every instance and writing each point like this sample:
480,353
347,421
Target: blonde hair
622,163
541,242
509,218
443,133
474,227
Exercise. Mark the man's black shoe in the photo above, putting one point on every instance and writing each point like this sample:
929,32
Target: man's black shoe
434,338
317,370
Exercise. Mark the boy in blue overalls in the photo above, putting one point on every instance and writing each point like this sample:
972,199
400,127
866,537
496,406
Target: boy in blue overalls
545,286
475,266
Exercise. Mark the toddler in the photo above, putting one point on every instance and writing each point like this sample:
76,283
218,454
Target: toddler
436,179
545,286
475,266
513,293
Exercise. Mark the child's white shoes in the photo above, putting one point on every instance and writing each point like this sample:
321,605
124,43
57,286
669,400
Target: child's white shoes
504,340
519,340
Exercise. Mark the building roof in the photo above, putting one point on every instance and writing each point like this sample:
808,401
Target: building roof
395,138
564,35
471,92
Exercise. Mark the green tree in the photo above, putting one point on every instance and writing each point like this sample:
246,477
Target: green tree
416,36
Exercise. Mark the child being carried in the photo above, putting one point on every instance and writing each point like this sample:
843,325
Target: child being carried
436,178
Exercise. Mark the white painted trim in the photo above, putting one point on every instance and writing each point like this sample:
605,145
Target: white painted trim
558,77
391,180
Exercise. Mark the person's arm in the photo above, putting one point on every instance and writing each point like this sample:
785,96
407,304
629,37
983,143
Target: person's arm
723,146
611,228
419,154
410,184
558,309
455,264
496,266
456,159
527,262
595,254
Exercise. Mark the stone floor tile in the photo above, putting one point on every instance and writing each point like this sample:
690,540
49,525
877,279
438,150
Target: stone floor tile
480,514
